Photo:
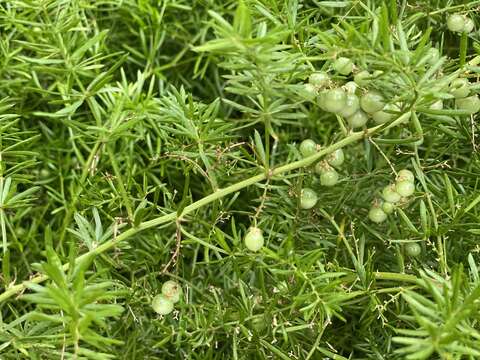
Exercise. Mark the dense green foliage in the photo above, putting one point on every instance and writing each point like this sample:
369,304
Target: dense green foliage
140,140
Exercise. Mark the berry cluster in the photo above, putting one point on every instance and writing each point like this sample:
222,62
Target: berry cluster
459,23
346,101
460,89
325,169
392,195
254,239
163,303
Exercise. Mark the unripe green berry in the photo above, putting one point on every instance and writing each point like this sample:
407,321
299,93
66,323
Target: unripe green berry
254,239
334,100
319,79
384,115
357,120
172,291
469,25
350,87
459,88
352,105
405,175
405,188
437,105
362,78
343,66
455,23
372,102
309,91
388,207
308,147
328,176
336,158
413,249
161,305
308,198
433,54
470,104
390,195
377,215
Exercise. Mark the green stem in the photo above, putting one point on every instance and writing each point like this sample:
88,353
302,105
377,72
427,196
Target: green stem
121,186
77,192
220,193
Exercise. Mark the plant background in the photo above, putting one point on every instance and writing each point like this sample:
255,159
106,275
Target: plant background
114,113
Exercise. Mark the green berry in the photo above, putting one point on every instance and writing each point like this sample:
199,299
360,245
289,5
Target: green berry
358,119
352,105
377,215
390,195
384,115
308,147
413,249
308,198
469,25
459,88
334,100
343,66
336,158
161,305
470,104
309,91
350,87
254,239
372,102
388,207
455,23
433,55
319,79
328,176
362,78
437,105
405,175
405,188
172,291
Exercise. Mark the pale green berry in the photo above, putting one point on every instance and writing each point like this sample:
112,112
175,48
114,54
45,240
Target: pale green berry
469,25
405,188
362,78
470,104
459,88
328,176
437,105
350,87
336,158
456,23
172,290
308,147
352,105
388,207
372,102
390,195
405,175
343,66
384,115
433,54
161,305
308,198
357,120
377,215
334,100
319,79
309,92
413,249
254,239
